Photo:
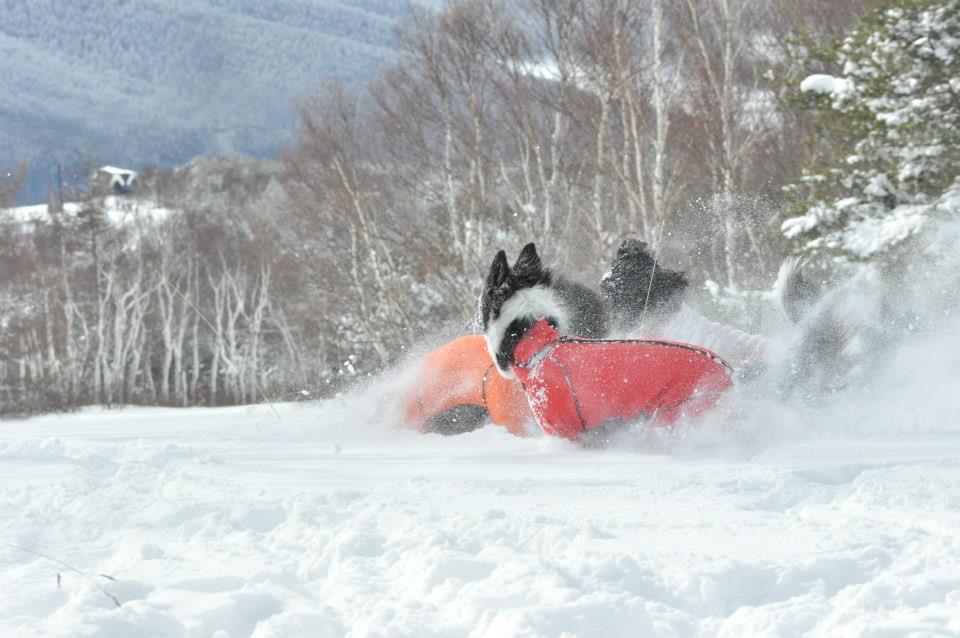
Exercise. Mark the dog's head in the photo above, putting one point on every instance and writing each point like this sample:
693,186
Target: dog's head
504,282
513,299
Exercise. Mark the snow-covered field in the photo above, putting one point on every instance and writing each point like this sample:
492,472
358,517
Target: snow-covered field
117,210
324,520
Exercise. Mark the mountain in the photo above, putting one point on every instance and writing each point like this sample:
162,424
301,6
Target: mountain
147,82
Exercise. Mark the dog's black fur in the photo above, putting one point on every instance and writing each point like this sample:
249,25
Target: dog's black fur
639,289
578,309
502,282
636,287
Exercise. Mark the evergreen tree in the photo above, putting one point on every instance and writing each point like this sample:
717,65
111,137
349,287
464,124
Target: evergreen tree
887,135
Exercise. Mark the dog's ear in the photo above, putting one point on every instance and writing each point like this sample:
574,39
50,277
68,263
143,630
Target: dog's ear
528,268
499,270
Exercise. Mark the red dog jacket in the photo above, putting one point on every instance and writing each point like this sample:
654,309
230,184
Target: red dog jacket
575,385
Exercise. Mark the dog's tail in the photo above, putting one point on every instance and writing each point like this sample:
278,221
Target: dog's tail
796,294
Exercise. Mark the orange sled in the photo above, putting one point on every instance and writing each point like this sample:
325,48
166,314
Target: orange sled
457,389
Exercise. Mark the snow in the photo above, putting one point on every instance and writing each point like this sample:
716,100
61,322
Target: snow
870,235
864,235
128,210
795,226
120,172
687,325
324,519
824,84
35,212
118,210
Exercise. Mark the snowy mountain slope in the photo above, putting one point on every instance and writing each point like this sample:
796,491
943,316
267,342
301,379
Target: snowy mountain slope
92,75
325,520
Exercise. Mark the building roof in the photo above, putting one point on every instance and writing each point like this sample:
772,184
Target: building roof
113,170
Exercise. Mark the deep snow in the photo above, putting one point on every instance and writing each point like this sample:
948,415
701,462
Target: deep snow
325,520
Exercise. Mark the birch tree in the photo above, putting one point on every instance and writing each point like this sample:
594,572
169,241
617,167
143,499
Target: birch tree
723,36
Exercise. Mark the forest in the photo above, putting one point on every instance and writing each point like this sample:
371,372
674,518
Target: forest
728,134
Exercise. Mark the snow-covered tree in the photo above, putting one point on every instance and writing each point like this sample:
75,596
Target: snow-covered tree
888,134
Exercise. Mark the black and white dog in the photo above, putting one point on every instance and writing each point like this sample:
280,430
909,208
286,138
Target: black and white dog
835,333
514,298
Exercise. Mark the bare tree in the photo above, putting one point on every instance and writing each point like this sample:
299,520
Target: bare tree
571,123
725,37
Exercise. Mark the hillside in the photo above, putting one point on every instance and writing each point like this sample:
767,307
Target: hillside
144,82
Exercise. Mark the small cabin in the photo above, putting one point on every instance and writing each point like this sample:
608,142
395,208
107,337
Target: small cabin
112,180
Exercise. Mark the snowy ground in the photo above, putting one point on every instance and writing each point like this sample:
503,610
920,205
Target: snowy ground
321,520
